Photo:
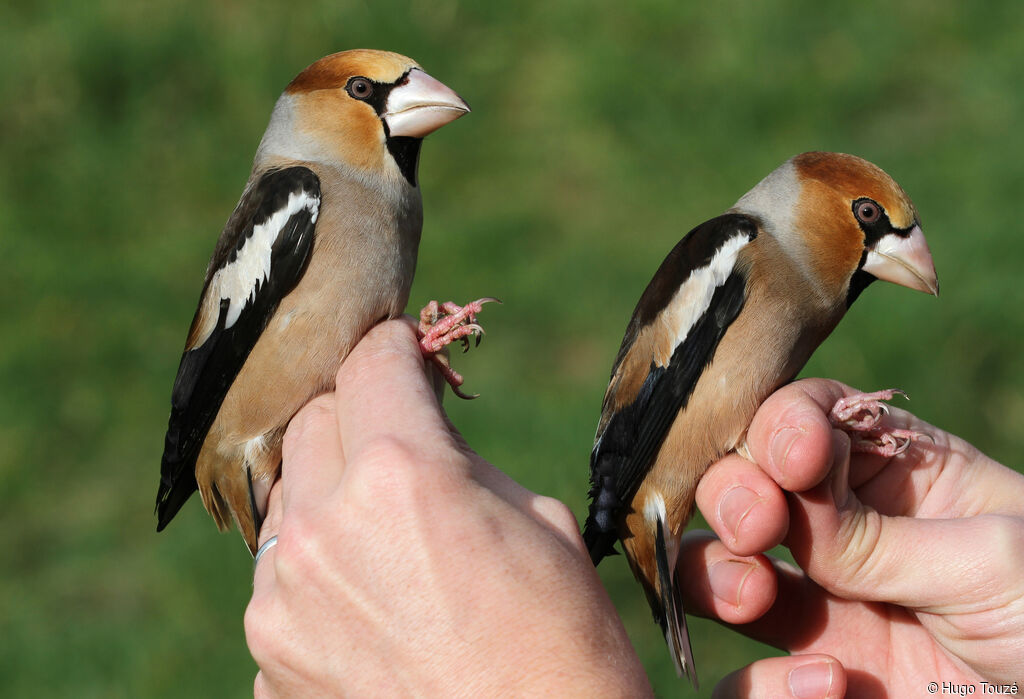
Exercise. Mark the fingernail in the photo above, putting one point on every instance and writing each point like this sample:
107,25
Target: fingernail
735,506
813,680
782,442
727,579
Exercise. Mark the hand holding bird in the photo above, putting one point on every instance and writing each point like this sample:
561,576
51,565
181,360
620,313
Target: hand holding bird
413,567
910,566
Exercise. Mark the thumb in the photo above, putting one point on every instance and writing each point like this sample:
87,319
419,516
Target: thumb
858,553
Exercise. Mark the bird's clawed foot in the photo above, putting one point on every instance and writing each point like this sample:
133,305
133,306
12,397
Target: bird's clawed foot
858,415
442,324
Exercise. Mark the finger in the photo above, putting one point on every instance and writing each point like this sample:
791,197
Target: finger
383,394
791,439
799,676
761,597
773,602
744,506
263,569
275,512
312,458
935,565
717,583
790,435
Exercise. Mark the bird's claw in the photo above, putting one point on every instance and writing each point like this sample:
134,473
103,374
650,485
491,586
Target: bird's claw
862,411
886,443
451,377
444,323
859,416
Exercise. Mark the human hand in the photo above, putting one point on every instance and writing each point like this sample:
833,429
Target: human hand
408,565
913,567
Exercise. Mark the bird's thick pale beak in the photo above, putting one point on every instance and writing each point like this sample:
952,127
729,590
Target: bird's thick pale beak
903,260
421,105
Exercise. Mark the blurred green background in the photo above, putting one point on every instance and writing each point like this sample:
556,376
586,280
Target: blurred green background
600,134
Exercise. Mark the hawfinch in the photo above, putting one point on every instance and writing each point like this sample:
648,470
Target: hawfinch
733,313
321,246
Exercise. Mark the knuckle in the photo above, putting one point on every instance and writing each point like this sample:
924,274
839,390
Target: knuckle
557,513
252,620
258,622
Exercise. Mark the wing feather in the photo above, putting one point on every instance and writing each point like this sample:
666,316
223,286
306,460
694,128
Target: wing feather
260,257
685,311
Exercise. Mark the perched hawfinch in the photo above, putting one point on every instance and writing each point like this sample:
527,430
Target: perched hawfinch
321,246
734,312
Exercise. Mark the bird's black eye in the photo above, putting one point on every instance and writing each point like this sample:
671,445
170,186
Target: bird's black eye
866,210
359,88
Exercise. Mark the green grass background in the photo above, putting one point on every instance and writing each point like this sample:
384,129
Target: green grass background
600,134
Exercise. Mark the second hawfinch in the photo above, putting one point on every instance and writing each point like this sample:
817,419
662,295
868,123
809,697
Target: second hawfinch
321,246
733,313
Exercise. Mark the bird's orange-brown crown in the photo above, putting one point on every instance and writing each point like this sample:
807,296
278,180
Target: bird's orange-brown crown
854,178
335,70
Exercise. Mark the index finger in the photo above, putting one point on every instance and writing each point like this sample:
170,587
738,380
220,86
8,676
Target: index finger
790,436
383,394
311,457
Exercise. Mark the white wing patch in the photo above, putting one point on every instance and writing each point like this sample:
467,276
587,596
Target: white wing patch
238,281
694,296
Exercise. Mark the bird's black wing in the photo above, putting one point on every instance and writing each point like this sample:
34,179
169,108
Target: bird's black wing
260,257
624,450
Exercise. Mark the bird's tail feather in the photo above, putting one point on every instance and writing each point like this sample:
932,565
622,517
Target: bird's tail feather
227,498
673,620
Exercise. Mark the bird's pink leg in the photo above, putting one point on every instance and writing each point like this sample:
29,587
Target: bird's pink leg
442,324
858,415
